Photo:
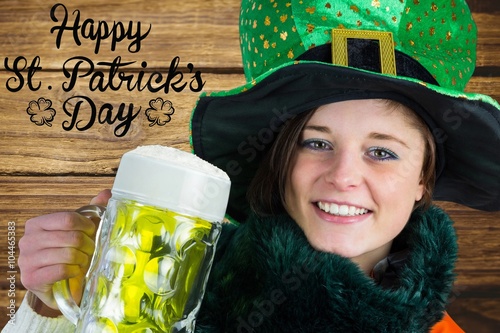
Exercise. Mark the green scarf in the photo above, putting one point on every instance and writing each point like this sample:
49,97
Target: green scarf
267,278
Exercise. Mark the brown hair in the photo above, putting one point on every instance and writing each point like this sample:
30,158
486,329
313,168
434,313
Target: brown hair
428,176
266,192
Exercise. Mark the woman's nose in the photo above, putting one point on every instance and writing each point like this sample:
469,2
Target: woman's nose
344,171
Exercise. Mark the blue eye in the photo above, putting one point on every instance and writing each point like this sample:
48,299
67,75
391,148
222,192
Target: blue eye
382,154
316,144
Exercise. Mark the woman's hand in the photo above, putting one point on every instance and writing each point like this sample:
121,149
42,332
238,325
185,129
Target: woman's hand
55,247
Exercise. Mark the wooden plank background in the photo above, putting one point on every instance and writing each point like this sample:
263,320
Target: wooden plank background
47,168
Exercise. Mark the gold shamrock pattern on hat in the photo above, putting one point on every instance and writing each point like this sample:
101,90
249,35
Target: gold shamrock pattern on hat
275,32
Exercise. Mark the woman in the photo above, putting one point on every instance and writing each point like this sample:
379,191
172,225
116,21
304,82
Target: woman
360,194
337,232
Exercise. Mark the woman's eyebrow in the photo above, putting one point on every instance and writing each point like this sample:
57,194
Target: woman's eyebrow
388,137
323,129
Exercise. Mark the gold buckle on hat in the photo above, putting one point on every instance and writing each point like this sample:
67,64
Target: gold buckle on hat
386,44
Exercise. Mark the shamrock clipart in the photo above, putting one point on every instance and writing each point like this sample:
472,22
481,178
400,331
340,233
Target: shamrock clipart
41,112
159,112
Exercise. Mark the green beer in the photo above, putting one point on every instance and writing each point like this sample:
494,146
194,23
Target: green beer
151,270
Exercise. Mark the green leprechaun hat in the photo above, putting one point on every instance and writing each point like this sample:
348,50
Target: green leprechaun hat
299,54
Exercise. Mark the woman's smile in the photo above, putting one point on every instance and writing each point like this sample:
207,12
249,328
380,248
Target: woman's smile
341,209
341,214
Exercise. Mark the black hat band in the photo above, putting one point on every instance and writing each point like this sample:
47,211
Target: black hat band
364,54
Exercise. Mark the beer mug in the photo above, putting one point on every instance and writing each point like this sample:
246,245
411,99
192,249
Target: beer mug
154,247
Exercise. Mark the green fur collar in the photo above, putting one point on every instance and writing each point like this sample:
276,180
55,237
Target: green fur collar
282,284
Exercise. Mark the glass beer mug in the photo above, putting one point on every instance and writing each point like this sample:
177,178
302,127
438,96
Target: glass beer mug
155,245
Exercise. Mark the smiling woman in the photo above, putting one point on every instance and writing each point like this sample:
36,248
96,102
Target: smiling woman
352,179
352,191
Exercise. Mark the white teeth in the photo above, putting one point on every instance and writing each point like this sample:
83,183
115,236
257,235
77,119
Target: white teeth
342,210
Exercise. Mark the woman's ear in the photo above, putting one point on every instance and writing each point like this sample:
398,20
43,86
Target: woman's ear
420,193
421,188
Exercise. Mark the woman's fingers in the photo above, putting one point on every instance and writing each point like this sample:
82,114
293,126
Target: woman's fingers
55,247
69,221
102,198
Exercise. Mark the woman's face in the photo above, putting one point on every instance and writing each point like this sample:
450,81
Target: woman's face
356,177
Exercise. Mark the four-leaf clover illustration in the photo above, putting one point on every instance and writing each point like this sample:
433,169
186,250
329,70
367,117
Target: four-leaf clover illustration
41,112
159,112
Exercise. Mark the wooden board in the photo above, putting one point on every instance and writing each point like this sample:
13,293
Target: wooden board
59,167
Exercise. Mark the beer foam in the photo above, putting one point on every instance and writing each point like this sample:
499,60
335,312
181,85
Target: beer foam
181,158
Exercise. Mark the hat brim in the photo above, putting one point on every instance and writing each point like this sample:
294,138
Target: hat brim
234,129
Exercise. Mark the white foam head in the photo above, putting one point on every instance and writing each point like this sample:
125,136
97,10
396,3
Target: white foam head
173,179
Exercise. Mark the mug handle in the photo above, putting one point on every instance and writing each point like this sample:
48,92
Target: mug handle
61,290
